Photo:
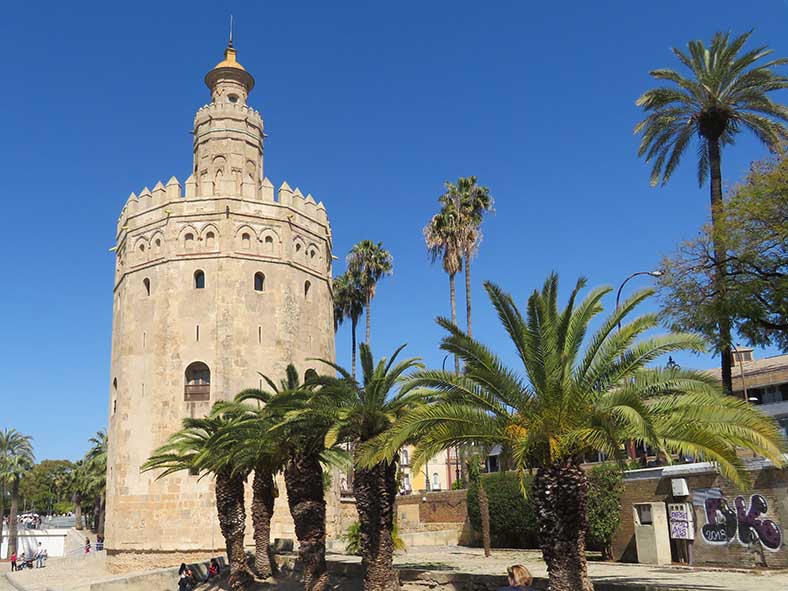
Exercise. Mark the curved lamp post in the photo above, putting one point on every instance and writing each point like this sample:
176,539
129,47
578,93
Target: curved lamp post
623,283
618,299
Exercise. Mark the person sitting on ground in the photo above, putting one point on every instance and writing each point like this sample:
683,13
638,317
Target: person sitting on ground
519,579
213,569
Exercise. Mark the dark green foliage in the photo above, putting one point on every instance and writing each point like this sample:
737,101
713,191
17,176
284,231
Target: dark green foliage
512,517
605,487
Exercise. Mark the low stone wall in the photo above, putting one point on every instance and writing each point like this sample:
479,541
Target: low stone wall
163,578
124,562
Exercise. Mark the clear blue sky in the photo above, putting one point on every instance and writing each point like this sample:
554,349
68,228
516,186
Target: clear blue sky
369,106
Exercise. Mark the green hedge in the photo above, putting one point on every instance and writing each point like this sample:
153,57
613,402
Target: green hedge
513,518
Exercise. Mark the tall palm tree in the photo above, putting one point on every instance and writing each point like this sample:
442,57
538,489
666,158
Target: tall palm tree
726,91
191,448
16,459
369,263
444,241
96,463
565,402
358,413
470,201
248,444
303,446
349,301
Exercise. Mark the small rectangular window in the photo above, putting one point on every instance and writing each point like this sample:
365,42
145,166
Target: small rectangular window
260,335
198,333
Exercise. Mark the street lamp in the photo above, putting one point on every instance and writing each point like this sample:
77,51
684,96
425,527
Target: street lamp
618,295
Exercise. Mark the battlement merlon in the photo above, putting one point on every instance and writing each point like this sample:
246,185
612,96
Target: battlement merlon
170,201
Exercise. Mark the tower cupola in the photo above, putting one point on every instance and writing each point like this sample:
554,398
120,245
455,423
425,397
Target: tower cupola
229,81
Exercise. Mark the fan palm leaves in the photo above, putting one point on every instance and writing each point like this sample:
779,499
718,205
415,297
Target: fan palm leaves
349,300
726,91
576,391
468,202
358,412
368,263
16,458
192,449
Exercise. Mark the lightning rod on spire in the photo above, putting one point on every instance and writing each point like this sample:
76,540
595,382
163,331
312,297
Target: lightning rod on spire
230,44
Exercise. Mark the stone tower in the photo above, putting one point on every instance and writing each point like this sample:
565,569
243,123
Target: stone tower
214,282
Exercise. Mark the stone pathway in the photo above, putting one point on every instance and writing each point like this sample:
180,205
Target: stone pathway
62,574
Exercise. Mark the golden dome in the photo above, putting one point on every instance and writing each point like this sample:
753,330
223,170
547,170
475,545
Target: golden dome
229,60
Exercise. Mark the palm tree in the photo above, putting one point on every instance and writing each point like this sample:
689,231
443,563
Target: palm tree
303,446
16,458
565,402
443,239
248,444
725,92
368,263
191,449
470,201
358,413
96,464
349,302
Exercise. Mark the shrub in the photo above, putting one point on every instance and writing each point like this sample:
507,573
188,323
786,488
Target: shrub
512,517
352,539
605,487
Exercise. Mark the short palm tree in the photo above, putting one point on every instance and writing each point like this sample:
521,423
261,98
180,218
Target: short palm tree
574,395
16,458
444,241
470,201
248,444
358,413
303,446
368,263
191,449
726,91
349,300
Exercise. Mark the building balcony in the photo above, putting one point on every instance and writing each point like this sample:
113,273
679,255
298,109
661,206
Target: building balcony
197,392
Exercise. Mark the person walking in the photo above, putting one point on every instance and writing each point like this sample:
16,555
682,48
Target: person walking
39,556
13,562
87,546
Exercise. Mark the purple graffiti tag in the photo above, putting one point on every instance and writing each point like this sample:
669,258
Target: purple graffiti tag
721,522
752,529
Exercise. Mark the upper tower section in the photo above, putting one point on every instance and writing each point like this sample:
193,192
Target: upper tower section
228,134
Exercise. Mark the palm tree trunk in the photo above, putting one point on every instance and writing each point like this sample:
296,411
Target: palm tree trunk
375,490
468,291
559,493
12,514
304,481
354,324
78,512
369,317
453,300
102,513
484,511
264,494
232,520
2,511
720,256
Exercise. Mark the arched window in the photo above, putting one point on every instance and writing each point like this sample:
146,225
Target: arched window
269,244
146,285
142,248
259,282
188,241
198,382
246,241
310,374
298,247
199,280
209,240
312,253
307,285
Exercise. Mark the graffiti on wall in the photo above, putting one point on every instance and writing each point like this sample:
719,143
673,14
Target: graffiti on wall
741,521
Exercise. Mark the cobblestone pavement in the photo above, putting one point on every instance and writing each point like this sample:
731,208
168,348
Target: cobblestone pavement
472,560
